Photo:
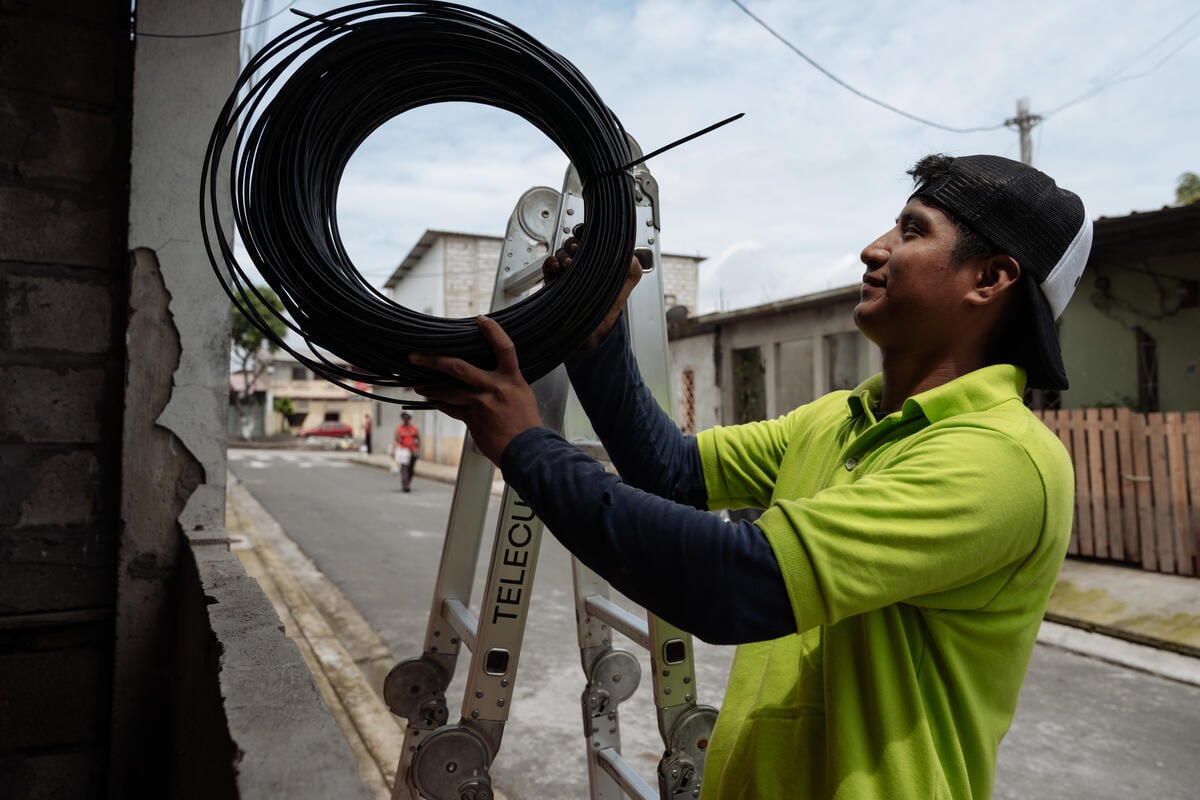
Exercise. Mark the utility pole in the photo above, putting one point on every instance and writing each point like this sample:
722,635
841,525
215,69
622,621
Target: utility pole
1024,122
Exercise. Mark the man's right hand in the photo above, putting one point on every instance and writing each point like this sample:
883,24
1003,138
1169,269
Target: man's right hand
554,266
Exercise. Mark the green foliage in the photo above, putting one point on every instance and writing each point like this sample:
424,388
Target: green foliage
1187,191
283,405
247,338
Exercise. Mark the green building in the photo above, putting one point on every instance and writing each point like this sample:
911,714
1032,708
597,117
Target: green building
1131,333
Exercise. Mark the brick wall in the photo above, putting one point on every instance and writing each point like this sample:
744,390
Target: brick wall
470,264
680,280
64,155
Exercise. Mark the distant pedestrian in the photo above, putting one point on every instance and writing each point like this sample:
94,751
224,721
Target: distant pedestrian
406,445
367,434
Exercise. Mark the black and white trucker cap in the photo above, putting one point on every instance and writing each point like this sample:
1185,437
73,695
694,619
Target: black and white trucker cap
1046,229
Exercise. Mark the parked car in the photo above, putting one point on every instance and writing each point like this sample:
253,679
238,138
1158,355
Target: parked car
329,429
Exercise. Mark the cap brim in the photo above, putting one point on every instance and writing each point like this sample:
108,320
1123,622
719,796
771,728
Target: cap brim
1042,353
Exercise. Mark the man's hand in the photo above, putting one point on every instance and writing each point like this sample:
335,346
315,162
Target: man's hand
554,266
496,405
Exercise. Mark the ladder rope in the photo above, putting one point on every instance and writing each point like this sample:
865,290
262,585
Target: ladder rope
296,115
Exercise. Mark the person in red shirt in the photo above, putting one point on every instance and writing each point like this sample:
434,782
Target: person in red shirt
406,444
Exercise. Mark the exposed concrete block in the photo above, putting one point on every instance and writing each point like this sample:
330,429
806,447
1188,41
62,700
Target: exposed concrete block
55,314
41,139
60,57
50,774
48,569
55,487
56,226
51,405
32,688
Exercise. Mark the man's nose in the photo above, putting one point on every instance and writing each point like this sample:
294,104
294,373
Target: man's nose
875,254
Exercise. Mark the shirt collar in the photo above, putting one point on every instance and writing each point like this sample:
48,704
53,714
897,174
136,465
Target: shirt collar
974,391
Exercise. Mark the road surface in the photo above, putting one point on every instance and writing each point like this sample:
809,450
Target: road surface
1085,729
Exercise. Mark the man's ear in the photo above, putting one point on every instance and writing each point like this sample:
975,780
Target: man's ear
995,275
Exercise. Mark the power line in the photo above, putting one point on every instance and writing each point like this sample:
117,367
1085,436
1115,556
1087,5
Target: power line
1113,80
855,91
214,33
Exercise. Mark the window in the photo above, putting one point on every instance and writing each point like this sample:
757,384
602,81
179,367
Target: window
1147,370
749,385
299,374
687,390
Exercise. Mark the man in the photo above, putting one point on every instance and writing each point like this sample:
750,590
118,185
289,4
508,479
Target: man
888,598
406,445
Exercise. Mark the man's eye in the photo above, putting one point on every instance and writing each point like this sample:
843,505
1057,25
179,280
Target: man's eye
911,228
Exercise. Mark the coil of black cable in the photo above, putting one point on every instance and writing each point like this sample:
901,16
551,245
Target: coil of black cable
295,117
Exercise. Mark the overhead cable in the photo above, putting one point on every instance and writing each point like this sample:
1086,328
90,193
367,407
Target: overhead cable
853,90
210,34
1115,77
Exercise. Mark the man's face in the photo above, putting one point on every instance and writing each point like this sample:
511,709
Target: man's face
911,295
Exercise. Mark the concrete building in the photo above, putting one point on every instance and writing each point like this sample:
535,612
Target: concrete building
761,362
449,274
1131,333
314,400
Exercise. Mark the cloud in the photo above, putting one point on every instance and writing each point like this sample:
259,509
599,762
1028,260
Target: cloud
788,195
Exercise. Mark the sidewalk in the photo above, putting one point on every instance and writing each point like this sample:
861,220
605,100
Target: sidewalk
1144,620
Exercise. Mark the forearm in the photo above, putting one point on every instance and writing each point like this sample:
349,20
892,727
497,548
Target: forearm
643,443
717,580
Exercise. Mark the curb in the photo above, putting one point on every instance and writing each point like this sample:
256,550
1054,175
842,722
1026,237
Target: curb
337,643
376,739
1152,660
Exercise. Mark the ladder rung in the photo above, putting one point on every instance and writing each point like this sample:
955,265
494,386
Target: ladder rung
619,770
465,623
523,279
618,618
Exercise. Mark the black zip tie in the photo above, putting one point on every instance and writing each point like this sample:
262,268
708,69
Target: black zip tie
675,144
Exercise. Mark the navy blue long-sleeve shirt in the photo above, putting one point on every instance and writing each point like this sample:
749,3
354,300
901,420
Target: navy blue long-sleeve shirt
646,531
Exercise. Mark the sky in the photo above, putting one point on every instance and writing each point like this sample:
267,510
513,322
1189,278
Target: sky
781,202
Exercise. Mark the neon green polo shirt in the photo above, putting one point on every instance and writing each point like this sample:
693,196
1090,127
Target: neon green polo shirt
919,551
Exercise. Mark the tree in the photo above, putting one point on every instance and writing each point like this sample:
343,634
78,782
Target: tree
250,345
1187,191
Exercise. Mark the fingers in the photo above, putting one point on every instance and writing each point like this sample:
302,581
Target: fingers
502,345
555,265
507,364
456,368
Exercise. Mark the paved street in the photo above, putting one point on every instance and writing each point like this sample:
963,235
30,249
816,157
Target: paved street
1085,728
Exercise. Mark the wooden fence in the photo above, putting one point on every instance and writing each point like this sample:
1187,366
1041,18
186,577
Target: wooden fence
1137,485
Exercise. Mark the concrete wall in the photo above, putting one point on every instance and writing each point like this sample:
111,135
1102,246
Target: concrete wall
136,658
423,288
1099,342
64,153
795,342
470,264
697,355
681,281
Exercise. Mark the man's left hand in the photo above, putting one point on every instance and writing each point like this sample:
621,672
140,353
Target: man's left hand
496,405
